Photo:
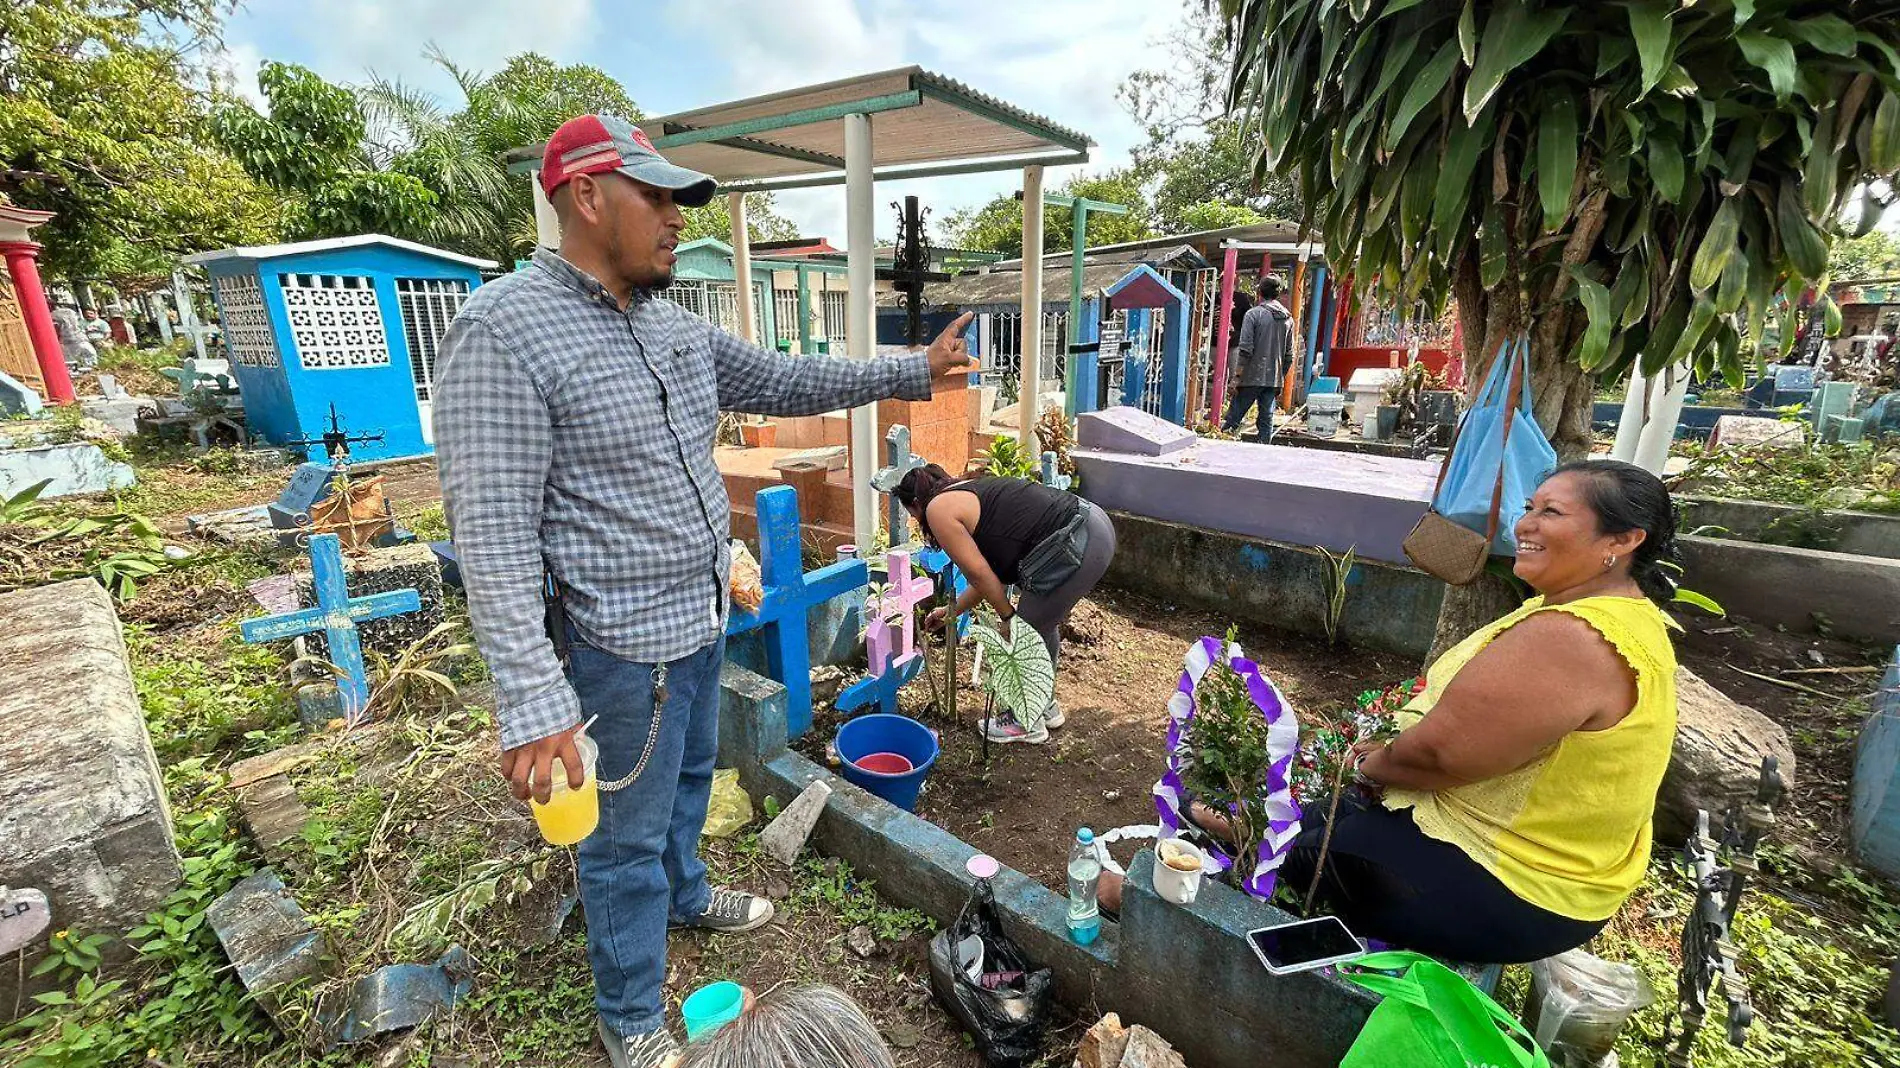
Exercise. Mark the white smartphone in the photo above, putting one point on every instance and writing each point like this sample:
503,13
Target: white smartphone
1305,944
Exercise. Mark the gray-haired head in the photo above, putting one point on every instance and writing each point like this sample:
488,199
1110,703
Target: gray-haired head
800,1027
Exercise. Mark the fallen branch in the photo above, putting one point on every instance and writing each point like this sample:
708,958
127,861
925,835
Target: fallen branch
1786,683
1865,669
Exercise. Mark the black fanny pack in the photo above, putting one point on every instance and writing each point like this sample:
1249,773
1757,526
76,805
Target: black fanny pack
1057,558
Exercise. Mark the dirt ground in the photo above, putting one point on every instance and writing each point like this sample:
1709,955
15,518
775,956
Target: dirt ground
1121,660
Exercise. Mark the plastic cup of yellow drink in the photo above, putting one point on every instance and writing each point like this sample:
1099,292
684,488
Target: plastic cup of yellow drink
571,815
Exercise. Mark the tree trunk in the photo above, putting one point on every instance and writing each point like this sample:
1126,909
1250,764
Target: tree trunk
1561,394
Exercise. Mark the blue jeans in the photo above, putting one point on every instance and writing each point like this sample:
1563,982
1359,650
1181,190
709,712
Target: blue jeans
641,867
1246,397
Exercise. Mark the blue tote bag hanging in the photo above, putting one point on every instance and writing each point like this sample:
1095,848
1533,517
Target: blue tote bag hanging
1498,456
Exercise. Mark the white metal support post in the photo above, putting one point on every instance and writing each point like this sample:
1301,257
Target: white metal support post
860,322
742,266
1629,429
1027,394
547,226
1652,451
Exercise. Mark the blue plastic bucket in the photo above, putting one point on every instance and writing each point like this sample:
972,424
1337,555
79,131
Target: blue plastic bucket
884,733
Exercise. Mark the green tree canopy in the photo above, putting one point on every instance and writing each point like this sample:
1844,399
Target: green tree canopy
312,145
1196,158
1625,181
1872,255
998,225
104,120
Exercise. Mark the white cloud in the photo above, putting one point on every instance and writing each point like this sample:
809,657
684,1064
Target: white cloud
346,40
1062,59
236,68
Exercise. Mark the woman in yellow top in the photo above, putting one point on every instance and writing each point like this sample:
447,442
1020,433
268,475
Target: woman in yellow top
1518,795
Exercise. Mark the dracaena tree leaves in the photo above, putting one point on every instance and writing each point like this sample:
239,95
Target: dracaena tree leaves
1673,169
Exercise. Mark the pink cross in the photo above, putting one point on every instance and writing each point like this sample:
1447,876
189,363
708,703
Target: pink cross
890,637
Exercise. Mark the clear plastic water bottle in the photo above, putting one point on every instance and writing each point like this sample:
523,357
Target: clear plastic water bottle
1085,870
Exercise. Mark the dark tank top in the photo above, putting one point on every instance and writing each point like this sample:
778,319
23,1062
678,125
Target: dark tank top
1015,516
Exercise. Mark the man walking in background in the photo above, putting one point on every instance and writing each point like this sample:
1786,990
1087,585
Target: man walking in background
575,417
1266,337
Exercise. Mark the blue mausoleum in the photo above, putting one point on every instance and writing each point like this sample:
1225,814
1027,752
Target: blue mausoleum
350,321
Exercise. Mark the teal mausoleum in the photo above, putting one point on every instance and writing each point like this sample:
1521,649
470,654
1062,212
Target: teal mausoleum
354,322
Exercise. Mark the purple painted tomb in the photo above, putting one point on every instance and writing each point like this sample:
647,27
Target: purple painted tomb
1276,492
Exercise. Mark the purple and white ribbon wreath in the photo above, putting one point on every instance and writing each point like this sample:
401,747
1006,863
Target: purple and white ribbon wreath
1283,742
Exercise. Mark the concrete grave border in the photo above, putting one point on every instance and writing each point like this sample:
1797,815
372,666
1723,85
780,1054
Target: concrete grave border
1158,960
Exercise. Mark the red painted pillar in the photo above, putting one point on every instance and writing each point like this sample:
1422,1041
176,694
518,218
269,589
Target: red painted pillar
1223,325
22,257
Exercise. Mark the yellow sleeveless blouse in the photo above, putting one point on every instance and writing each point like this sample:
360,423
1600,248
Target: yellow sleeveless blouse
1570,831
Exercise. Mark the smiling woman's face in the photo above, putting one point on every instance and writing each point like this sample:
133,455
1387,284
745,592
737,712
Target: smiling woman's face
1559,542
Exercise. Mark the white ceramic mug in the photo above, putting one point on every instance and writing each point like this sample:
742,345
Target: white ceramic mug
1172,883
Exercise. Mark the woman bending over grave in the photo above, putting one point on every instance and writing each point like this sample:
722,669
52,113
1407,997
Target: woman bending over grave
1510,817
1002,532
800,1027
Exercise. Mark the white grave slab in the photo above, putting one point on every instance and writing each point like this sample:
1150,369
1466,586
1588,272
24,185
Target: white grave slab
1743,431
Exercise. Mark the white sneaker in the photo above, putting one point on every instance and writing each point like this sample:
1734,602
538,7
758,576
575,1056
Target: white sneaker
1054,717
651,1050
733,912
1004,729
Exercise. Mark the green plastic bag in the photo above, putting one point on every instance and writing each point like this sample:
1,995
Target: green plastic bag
1432,1017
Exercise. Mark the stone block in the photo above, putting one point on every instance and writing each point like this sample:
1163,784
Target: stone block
1388,606
83,814
17,399
119,413
1133,431
1283,494
831,457
1746,431
787,833
402,567
1859,596
273,814
1716,762
1876,799
74,468
271,943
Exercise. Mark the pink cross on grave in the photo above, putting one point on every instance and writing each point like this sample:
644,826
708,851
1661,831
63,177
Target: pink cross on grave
890,637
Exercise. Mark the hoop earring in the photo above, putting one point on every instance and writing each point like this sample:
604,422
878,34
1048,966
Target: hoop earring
1609,562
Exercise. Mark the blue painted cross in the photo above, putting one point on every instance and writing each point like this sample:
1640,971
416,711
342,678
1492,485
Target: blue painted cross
790,592
336,615
934,561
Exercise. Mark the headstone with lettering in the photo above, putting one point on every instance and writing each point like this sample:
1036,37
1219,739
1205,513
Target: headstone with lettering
24,917
309,484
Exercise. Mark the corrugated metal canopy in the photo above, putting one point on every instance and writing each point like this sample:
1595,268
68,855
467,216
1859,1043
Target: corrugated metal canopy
922,124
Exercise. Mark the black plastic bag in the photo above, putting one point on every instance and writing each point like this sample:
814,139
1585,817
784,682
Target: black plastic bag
1005,1007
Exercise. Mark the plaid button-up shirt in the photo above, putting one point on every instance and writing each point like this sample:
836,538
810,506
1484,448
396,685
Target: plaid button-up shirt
576,439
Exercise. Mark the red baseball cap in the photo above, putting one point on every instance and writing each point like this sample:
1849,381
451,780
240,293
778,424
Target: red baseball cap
595,144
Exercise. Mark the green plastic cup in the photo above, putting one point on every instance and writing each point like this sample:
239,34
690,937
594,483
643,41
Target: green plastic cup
711,1007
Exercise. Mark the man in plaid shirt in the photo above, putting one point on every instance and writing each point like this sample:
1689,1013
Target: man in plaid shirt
575,417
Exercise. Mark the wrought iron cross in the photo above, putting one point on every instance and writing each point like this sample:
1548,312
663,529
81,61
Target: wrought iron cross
910,266
1707,955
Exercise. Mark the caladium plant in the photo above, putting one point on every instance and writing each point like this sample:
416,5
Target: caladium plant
1018,672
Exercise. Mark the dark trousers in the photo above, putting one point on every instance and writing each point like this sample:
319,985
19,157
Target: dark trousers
1387,880
1246,397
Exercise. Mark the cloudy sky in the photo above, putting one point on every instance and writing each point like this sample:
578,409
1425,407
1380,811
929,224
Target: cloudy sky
1059,58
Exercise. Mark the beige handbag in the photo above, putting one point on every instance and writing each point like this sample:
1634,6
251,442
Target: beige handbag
1450,551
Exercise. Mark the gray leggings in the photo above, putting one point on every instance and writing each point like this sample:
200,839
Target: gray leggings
1046,611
